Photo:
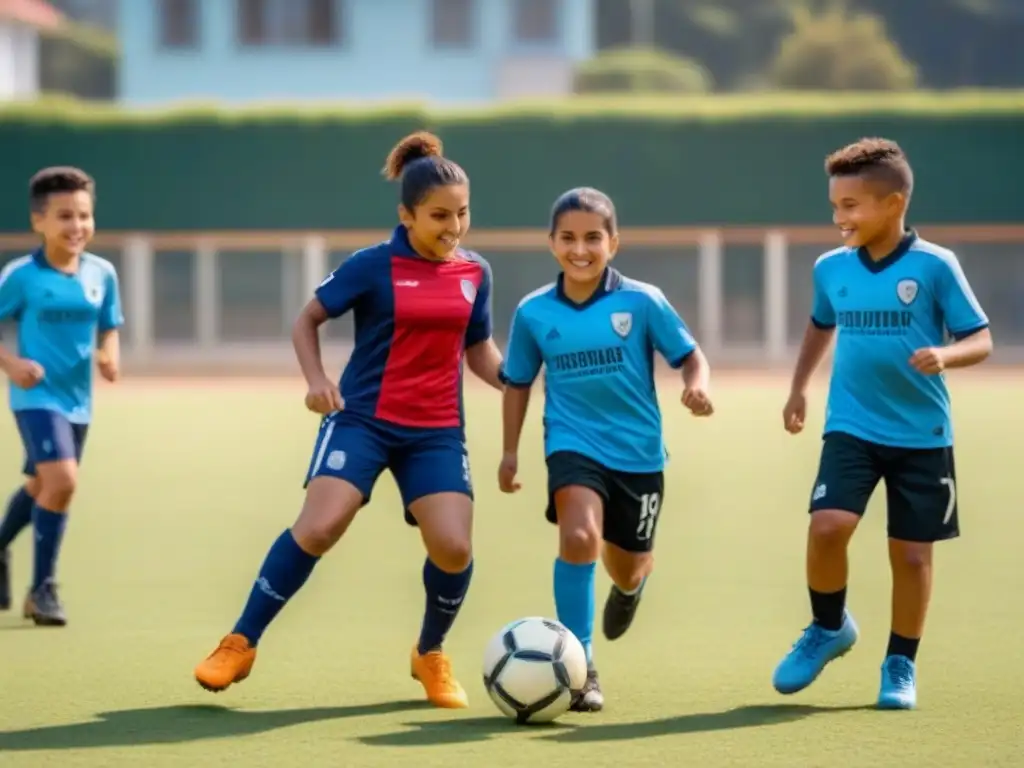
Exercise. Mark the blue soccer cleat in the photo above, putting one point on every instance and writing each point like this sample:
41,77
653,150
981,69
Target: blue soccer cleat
811,653
899,684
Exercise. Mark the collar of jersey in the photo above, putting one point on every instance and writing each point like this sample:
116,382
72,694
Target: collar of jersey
39,258
610,282
887,261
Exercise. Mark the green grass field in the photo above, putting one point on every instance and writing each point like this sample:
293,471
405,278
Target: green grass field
184,487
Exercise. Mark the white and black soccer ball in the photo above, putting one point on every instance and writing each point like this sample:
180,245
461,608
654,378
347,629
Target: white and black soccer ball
531,668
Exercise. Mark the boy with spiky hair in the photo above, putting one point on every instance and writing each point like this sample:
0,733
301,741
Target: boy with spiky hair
67,307
891,299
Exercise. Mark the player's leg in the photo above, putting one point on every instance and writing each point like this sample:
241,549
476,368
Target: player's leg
848,473
347,459
434,479
630,524
921,495
17,517
577,489
54,446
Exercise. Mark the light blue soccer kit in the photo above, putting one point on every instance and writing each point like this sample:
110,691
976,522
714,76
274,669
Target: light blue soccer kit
598,360
602,423
58,316
884,419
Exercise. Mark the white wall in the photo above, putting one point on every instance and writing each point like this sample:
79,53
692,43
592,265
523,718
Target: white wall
19,61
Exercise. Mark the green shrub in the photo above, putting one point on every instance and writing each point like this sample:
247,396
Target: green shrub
839,51
641,70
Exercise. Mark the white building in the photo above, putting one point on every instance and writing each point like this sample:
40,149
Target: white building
20,22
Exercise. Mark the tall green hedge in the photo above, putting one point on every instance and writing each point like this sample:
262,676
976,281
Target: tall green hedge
750,160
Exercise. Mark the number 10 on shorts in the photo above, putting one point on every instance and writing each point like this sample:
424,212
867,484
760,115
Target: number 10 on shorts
649,508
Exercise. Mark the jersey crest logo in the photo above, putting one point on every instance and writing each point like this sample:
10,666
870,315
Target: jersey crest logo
469,290
906,290
622,323
94,293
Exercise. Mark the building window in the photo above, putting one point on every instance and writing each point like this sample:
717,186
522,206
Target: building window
536,21
179,23
289,22
453,22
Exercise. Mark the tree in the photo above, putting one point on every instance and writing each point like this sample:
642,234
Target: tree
838,50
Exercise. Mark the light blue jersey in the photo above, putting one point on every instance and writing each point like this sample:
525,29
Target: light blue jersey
58,317
598,358
885,311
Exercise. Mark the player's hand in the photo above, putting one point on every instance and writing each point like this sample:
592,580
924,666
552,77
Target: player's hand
323,397
698,402
930,360
507,473
26,373
794,413
109,369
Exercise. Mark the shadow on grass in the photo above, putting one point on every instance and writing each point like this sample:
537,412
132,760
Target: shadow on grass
180,724
589,728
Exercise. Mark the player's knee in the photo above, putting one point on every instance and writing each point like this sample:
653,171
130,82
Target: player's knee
452,554
33,486
579,543
56,487
330,506
910,555
316,534
832,527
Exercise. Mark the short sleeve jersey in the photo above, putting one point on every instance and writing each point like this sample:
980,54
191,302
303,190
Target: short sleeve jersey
884,311
414,319
58,316
598,361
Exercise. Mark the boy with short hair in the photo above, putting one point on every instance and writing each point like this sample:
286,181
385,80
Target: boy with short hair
66,305
893,297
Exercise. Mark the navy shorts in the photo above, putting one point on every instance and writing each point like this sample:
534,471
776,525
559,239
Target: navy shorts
920,485
423,461
632,500
49,436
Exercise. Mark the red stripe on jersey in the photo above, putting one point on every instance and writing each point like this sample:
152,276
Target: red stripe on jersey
433,303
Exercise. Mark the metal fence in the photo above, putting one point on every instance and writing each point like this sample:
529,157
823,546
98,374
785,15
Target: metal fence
228,299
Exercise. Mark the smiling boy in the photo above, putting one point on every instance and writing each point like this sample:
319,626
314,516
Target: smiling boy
890,298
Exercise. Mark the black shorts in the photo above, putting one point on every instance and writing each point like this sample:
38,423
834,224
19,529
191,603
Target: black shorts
632,501
920,485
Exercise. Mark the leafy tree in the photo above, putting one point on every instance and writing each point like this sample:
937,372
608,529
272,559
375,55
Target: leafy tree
835,49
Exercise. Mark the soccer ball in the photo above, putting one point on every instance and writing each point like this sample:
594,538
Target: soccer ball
531,668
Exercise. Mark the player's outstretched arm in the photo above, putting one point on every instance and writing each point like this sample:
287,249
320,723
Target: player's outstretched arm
108,354
322,395
24,373
963,316
523,361
514,404
484,360
817,339
696,380
963,353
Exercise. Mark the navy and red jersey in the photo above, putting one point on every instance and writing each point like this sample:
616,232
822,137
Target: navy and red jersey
414,319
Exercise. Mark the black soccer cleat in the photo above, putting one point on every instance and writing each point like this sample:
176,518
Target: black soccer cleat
44,608
619,610
590,697
5,580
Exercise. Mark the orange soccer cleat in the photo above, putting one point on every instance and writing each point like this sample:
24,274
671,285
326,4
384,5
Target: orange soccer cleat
434,671
230,663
